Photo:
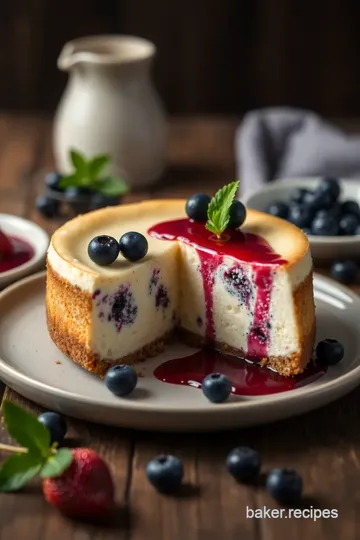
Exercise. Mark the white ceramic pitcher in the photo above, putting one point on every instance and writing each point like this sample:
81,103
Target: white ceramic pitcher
110,106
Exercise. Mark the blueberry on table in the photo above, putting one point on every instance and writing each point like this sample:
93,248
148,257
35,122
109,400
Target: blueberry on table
329,352
331,186
278,209
103,250
121,380
216,387
325,225
237,214
165,473
133,246
52,181
348,224
300,216
244,464
47,206
285,485
344,271
56,424
350,207
98,200
196,207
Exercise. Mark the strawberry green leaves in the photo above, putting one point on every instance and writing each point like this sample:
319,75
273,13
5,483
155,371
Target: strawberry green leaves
219,209
35,456
91,173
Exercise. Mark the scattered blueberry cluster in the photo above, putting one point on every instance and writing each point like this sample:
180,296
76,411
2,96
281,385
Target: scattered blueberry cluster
80,199
104,250
320,212
165,473
197,207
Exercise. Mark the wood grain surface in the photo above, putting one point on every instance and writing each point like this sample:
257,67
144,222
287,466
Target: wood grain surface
324,445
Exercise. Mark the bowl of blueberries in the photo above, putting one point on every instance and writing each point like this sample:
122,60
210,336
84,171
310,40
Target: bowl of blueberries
326,209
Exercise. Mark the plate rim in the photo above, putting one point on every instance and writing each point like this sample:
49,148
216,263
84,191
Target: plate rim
345,381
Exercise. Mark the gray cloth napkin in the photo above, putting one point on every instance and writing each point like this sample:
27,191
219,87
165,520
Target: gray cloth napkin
284,143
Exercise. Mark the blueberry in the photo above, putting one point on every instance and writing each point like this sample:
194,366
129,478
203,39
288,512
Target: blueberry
285,485
196,207
52,181
78,198
47,206
329,352
56,424
333,211
300,216
331,186
318,200
165,473
102,201
121,379
244,464
325,225
133,246
348,224
216,387
237,214
344,271
278,209
350,207
103,250
297,195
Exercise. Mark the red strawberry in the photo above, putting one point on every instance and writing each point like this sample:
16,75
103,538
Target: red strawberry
5,245
85,489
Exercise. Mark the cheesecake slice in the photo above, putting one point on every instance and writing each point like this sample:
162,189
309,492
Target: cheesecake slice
250,294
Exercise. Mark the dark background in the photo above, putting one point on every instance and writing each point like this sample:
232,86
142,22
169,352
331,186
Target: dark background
215,56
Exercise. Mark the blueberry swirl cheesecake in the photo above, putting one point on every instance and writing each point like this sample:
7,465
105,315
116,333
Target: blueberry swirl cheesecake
122,280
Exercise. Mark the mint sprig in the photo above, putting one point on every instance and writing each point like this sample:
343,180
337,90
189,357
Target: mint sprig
35,456
92,173
218,213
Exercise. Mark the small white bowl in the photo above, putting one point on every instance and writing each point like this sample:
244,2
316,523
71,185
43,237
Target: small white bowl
34,235
322,247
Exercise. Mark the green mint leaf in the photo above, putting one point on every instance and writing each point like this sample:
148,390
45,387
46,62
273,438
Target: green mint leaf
219,209
97,165
18,470
26,429
111,187
70,181
56,464
79,162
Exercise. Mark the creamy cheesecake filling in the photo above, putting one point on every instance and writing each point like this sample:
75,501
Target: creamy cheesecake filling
136,303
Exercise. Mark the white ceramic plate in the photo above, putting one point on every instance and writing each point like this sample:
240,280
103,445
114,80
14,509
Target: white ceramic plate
34,235
322,247
30,365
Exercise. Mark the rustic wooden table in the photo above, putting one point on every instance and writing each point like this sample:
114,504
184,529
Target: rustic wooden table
324,445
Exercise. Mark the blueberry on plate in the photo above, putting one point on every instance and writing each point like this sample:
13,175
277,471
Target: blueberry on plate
300,215
333,211
196,207
165,473
331,186
325,225
244,464
121,379
76,193
318,200
297,195
216,387
278,209
47,206
103,250
285,485
56,424
237,214
350,207
52,181
329,352
344,271
133,246
348,224
98,200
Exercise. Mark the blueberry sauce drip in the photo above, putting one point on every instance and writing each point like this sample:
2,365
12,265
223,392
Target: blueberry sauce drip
242,247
